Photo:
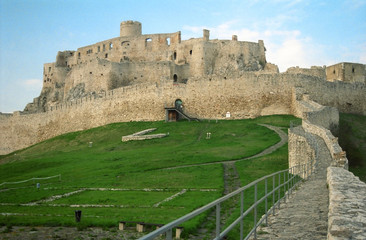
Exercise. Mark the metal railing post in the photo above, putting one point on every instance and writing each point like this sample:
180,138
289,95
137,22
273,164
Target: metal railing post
241,214
288,185
218,209
255,211
279,190
284,186
169,234
266,204
273,194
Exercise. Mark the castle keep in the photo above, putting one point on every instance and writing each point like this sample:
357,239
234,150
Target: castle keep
135,58
135,77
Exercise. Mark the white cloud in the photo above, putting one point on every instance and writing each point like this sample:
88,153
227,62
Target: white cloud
32,84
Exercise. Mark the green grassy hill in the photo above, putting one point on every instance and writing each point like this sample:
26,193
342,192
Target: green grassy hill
352,138
113,180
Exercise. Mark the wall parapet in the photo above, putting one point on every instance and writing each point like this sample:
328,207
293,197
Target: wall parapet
301,148
338,155
347,204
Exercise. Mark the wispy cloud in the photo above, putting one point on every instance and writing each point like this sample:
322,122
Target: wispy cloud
31,84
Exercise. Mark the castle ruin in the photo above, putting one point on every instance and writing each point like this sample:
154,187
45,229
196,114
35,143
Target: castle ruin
136,77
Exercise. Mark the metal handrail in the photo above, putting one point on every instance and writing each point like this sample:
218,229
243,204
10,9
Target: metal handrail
294,176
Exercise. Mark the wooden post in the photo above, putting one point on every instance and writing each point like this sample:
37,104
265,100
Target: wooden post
140,227
178,232
122,226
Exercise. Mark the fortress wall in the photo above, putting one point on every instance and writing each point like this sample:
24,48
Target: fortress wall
246,96
338,155
300,148
326,117
347,204
346,97
346,219
315,71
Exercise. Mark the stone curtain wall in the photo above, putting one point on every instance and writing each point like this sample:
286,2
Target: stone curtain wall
347,205
300,148
347,194
338,155
245,96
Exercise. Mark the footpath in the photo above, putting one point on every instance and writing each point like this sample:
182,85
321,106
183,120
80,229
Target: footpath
305,215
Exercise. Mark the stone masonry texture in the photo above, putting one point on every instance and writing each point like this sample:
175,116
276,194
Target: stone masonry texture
347,205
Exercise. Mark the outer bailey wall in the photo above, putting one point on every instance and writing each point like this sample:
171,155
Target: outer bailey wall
243,97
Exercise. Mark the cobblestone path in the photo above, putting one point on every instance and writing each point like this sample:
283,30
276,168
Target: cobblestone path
305,215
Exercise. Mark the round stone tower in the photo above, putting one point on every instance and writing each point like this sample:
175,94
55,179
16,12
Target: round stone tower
130,28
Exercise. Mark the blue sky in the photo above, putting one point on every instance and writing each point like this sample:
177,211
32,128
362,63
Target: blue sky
295,33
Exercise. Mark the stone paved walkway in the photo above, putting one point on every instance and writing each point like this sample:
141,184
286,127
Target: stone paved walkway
305,215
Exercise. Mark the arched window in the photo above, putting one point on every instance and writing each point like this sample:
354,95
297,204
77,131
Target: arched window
175,55
125,44
175,78
178,104
168,41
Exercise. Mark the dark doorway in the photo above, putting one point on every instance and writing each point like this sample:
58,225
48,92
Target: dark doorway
175,78
172,116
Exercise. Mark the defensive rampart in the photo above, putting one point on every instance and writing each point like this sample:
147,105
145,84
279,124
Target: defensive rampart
246,96
346,217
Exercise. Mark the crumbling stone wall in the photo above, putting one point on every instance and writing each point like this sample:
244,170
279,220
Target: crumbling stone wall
244,95
346,217
134,58
338,155
315,71
347,204
301,149
347,72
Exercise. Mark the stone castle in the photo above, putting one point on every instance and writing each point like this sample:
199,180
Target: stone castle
139,77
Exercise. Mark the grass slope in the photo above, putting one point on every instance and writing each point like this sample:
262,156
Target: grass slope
352,138
137,169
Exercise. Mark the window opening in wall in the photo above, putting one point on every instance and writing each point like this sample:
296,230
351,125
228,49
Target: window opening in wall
98,48
333,71
106,55
79,55
175,55
148,42
190,52
353,70
49,69
125,44
175,78
110,46
178,104
103,47
168,41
